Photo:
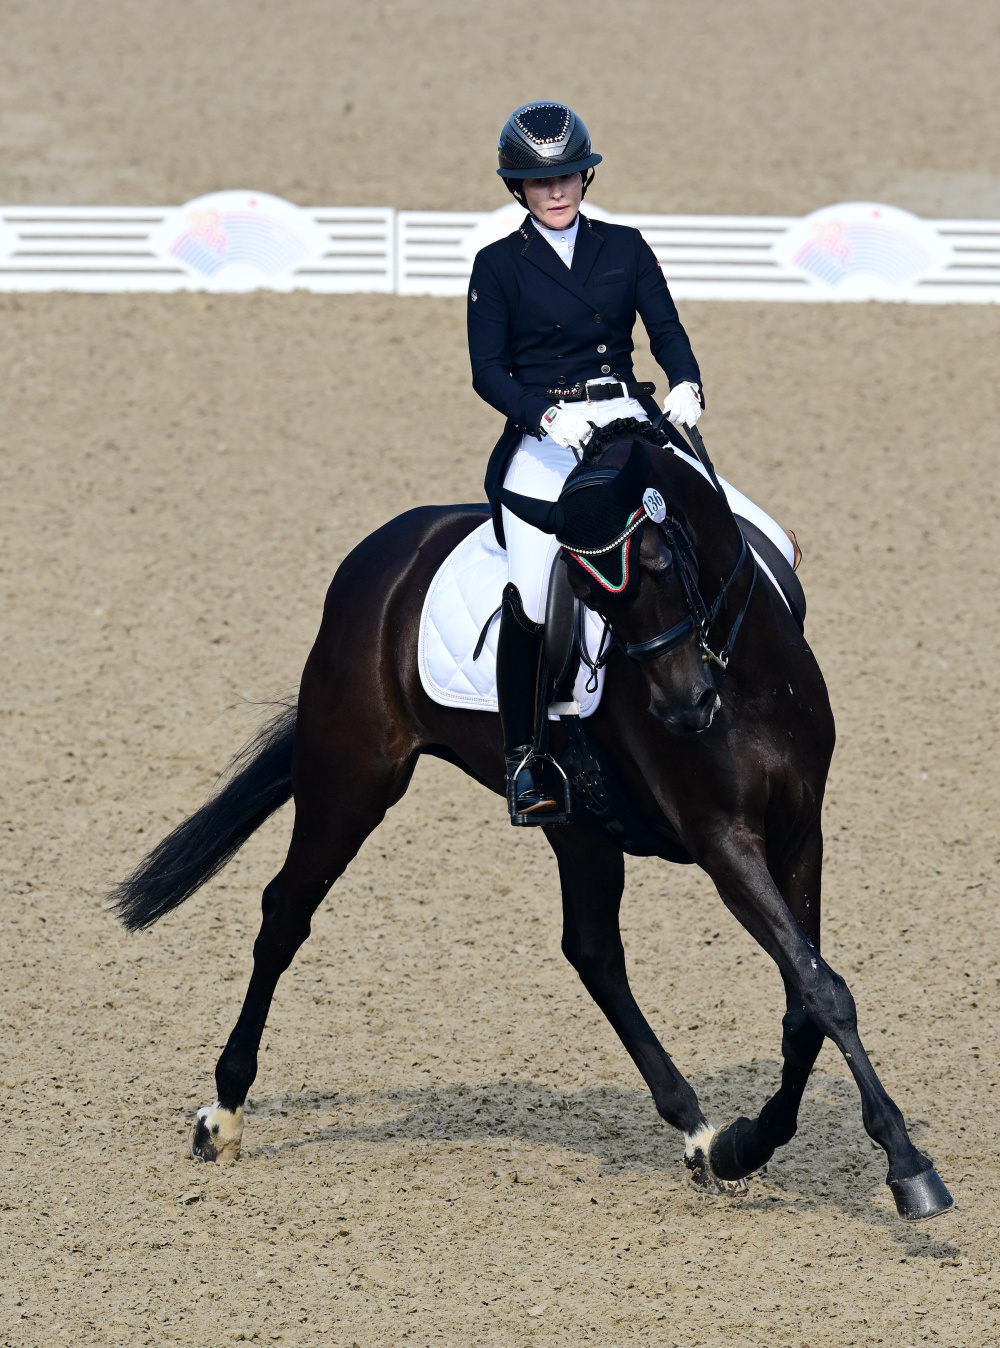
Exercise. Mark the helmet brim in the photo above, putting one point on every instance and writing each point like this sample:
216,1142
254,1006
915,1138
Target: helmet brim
556,171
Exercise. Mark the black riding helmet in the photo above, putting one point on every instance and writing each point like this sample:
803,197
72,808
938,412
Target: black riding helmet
544,140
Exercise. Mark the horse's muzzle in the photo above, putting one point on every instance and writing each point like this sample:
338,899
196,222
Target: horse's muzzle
687,720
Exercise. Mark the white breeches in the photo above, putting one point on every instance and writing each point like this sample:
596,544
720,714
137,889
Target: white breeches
540,467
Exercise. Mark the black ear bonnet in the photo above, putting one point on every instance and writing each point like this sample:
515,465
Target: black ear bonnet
597,519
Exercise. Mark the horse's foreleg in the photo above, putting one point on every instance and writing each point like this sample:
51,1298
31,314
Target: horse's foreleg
747,1145
737,866
338,803
592,875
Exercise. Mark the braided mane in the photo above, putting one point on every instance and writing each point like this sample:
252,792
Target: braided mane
623,428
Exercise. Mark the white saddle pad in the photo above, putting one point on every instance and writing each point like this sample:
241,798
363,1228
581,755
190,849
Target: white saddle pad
466,590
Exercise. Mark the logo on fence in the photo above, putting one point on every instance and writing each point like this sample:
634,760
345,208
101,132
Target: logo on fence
240,240
863,251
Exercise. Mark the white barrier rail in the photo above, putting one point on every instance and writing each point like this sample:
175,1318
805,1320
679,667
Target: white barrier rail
229,241
238,241
702,257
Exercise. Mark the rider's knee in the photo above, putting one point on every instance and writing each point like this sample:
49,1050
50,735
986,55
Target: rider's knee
512,603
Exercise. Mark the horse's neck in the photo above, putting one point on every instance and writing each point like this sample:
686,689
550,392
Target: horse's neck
708,519
760,647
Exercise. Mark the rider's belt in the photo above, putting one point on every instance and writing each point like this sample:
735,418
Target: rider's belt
593,391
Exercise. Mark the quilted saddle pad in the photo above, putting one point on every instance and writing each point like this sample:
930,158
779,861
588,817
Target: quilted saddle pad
463,594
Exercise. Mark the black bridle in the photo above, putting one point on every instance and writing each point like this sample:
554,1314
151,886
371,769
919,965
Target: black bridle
700,616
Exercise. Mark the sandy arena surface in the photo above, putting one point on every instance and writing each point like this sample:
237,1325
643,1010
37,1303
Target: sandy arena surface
446,1143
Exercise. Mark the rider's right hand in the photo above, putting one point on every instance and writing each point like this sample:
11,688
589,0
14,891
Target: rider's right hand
567,426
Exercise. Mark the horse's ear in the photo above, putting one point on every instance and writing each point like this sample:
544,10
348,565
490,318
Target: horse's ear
632,478
544,515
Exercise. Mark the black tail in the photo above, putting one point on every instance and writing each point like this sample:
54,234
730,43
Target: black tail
260,783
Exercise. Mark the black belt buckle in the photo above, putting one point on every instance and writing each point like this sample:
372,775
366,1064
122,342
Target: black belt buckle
602,392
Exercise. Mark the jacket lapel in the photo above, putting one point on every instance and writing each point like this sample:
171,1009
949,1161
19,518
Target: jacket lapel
541,254
588,244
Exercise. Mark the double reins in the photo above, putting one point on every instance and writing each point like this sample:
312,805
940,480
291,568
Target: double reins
700,616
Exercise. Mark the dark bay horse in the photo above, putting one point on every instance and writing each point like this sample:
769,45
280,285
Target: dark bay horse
727,769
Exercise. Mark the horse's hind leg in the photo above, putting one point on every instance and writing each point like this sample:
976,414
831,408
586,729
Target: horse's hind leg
592,875
339,799
747,1145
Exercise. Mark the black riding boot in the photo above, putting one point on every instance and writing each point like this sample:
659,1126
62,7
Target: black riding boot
519,657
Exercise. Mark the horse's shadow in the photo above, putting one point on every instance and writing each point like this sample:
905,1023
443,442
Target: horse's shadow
830,1163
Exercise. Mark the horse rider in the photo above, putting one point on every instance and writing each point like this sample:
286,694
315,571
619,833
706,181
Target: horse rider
550,313
551,310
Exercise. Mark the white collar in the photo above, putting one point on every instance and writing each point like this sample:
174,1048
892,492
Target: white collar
562,240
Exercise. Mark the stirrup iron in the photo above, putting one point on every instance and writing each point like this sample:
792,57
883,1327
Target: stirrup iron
542,816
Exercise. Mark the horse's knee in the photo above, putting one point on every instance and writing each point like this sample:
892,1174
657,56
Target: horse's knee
828,1001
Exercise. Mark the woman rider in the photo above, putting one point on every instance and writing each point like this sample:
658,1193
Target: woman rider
550,313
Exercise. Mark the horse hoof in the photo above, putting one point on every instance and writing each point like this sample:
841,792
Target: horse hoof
216,1134
921,1197
697,1158
736,1152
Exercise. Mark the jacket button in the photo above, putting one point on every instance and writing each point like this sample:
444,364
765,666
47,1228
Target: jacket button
598,318
561,379
601,349
605,369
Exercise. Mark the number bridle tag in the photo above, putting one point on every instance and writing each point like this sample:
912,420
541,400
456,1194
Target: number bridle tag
654,505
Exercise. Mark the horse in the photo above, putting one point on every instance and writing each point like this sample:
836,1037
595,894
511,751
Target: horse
722,758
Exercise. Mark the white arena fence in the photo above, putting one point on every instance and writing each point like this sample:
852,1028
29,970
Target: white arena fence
240,241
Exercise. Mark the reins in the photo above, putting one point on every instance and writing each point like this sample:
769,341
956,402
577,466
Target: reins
699,617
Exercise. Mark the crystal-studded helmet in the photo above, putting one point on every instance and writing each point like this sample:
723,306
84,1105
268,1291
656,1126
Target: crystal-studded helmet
544,140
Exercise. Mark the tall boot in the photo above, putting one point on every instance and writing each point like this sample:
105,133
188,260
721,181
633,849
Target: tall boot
519,659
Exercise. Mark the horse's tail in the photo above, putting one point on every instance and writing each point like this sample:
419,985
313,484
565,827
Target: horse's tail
260,782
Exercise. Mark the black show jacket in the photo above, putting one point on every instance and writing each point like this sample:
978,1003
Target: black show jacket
537,325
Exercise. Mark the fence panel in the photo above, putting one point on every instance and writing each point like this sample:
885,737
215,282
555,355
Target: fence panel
238,241
227,242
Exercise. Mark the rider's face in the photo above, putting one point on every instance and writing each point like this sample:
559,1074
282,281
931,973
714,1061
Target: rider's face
554,202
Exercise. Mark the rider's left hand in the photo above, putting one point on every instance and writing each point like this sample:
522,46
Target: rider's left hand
683,404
